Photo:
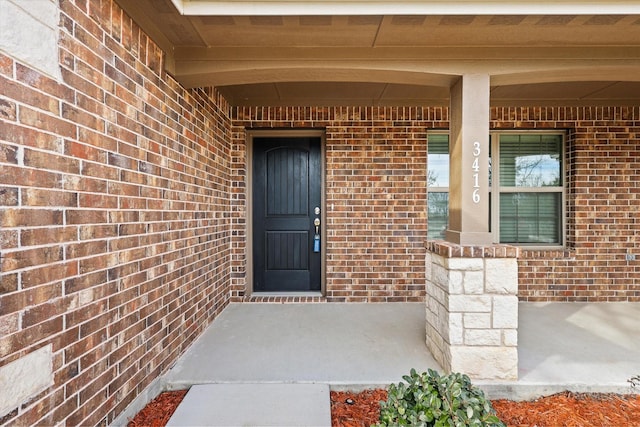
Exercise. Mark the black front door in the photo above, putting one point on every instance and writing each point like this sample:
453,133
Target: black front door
286,202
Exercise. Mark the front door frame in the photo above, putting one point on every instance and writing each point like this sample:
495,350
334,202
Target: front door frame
283,133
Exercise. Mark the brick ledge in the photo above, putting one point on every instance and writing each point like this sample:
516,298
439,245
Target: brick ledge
454,250
283,299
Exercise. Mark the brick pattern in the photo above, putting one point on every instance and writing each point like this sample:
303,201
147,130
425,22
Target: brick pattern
375,189
123,210
603,201
114,213
602,224
283,299
453,250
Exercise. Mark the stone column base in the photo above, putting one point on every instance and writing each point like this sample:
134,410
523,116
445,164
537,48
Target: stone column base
472,309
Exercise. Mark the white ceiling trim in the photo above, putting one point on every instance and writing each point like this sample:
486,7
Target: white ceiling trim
403,7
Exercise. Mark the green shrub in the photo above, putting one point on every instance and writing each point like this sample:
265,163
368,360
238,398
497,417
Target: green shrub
439,401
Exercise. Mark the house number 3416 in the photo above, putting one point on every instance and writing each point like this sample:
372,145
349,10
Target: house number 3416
476,172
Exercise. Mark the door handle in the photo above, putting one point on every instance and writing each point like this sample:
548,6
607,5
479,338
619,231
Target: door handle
316,237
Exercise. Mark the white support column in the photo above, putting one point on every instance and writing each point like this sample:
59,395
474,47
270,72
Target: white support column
469,161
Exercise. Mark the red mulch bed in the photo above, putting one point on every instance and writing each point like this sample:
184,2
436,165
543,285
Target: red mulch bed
362,409
356,409
571,410
158,412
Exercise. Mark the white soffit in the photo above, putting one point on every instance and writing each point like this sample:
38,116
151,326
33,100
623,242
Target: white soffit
404,7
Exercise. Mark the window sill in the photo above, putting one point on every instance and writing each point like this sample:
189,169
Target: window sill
547,252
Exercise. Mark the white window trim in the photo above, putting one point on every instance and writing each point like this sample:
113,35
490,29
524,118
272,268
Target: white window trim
495,188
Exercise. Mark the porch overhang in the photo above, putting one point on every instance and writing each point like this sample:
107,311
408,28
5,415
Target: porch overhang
402,7
399,53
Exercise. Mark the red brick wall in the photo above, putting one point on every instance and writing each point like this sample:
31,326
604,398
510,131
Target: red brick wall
114,201
376,176
603,205
375,196
123,224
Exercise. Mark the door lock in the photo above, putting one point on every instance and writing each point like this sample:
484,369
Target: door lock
316,237
317,210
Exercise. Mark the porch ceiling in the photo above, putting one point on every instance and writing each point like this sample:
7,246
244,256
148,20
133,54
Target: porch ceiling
268,52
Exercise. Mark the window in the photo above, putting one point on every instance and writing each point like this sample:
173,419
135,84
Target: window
531,188
526,174
438,185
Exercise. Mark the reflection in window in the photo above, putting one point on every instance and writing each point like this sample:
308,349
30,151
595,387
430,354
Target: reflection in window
438,214
530,160
438,161
438,185
531,188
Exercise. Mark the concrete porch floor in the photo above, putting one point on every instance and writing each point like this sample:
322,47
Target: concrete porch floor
582,347
337,344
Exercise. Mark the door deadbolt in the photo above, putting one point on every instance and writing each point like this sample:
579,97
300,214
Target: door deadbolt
317,210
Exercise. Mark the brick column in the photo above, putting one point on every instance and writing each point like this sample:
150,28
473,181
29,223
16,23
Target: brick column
472,309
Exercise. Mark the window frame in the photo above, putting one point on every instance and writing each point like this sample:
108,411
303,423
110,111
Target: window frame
437,189
495,188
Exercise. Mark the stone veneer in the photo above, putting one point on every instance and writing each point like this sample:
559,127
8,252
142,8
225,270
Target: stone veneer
472,309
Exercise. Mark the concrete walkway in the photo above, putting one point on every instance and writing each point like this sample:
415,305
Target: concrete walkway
562,346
